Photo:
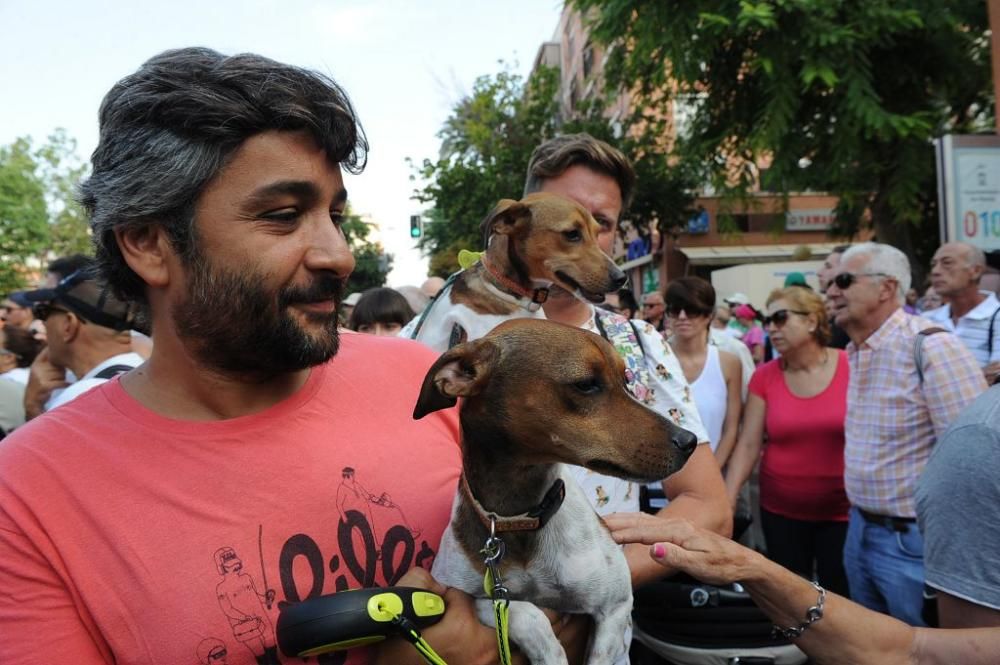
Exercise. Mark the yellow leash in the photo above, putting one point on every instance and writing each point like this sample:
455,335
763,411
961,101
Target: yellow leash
412,634
493,552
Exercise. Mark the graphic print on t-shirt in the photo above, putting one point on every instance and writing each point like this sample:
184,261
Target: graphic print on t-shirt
244,606
212,651
352,495
370,543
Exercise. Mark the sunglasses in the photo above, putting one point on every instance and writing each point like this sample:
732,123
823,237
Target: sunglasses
845,279
692,312
44,310
780,317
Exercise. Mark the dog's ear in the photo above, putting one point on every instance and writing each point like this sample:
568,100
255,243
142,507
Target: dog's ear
504,217
462,371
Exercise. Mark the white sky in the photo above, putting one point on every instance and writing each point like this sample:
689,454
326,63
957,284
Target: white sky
404,64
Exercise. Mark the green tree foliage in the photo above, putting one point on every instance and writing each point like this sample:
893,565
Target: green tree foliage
61,171
24,219
39,215
372,263
841,96
486,144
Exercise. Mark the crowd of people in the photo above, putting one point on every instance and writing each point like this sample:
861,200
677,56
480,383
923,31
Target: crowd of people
861,448
168,495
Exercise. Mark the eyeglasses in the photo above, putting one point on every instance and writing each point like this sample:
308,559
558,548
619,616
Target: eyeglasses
692,312
780,317
44,310
652,304
845,279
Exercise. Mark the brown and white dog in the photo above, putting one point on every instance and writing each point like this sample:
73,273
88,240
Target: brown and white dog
537,395
536,242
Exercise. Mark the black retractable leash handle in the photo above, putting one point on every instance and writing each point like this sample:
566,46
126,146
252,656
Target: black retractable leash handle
357,618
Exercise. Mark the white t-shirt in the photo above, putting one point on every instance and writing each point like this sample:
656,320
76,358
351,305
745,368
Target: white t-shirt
17,375
711,396
90,380
974,328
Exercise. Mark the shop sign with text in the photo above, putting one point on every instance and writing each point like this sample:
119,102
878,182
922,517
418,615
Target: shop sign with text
819,219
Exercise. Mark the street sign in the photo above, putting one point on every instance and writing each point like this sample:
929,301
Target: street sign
969,189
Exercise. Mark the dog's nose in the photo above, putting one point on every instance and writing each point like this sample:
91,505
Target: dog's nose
684,441
617,278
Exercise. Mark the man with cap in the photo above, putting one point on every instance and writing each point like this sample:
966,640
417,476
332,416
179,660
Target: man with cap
734,300
88,334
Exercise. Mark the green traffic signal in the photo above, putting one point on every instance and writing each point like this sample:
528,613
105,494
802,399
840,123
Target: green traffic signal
416,229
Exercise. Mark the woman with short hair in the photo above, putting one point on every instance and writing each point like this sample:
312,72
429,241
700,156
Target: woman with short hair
380,311
715,375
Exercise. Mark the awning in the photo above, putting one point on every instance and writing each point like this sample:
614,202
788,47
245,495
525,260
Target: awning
736,254
635,263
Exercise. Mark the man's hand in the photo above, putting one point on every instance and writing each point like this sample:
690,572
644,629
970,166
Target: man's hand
460,639
43,378
991,372
679,544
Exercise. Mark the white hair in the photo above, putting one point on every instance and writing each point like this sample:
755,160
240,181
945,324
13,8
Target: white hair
885,260
976,256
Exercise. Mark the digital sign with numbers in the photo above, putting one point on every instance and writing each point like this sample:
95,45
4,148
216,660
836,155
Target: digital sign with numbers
969,189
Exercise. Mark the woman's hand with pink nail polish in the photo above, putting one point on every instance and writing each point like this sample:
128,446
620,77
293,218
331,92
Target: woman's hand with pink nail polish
679,544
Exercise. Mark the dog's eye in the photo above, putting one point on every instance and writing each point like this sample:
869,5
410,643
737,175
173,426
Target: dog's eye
588,386
573,236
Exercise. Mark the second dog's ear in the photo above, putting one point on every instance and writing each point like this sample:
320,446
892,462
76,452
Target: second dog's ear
461,372
505,216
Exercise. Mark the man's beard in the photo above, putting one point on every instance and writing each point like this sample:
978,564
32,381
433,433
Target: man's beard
233,325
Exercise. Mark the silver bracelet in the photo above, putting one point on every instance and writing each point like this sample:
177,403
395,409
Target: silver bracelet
813,614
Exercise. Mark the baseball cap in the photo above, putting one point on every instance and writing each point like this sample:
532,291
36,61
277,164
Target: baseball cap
795,279
19,299
738,299
83,295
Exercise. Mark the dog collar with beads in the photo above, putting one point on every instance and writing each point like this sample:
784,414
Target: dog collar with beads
531,520
529,299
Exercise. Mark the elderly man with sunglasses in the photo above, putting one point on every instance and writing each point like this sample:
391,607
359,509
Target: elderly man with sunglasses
896,411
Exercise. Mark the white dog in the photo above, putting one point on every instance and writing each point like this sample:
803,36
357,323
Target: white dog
538,394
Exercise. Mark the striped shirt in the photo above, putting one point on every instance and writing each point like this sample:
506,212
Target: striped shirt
974,328
893,421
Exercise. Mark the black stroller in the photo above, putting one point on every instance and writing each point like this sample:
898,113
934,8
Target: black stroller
681,621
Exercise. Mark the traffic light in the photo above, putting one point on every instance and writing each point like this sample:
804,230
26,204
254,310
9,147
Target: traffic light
416,230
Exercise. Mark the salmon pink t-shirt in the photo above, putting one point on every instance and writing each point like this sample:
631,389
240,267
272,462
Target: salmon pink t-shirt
127,537
802,470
